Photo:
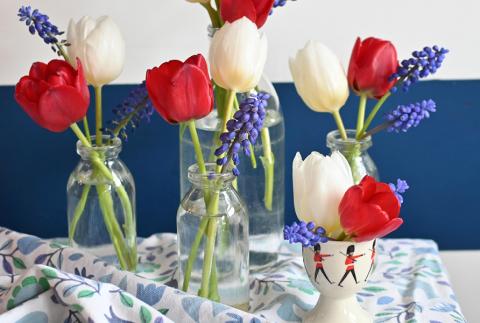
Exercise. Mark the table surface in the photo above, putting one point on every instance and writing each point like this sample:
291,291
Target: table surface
45,281
462,267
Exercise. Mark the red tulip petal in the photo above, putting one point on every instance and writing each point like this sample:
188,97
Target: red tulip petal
80,82
232,10
199,61
388,202
388,228
368,185
27,92
38,71
353,66
62,69
263,8
61,106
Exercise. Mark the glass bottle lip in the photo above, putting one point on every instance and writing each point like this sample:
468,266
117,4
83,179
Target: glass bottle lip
211,177
108,151
336,142
212,30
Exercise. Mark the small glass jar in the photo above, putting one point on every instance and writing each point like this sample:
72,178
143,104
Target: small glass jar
212,233
356,153
101,203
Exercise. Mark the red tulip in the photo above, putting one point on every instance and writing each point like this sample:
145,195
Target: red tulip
369,210
54,95
181,91
255,10
372,62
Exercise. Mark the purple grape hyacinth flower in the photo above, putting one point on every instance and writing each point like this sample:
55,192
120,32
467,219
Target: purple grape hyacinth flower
242,130
399,189
420,65
404,117
304,233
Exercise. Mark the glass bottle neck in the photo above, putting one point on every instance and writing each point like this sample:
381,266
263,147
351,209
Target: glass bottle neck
109,151
336,142
212,179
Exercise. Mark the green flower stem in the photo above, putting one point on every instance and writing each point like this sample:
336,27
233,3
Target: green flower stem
129,226
361,113
214,16
113,228
373,113
78,213
213,289
212,210
268,161
106,204
98,115
204,222
339,122
87,129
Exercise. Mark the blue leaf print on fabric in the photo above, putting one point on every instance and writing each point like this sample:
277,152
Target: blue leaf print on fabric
114,318
235,318
123,283
218,308
425,250
288,302
191,305
385,300
34,317
28,244
150,294
75,256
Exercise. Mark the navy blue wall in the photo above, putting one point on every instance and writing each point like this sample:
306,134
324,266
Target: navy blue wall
440,160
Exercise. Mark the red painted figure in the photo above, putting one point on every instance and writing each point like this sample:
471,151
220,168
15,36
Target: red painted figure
372,258
319,258
350,260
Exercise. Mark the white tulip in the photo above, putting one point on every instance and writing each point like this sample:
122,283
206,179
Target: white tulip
319,78
319,183
99,45
238,53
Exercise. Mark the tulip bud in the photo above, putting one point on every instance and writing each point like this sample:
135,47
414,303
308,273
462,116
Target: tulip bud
54,95
372,63
238,53
181,91
369,210
99,45
319,78
319,183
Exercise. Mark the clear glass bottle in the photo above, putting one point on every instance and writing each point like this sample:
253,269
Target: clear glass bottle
265,207
225,226
356,153
101,203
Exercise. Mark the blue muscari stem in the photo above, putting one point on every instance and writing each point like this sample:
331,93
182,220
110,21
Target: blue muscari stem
136,108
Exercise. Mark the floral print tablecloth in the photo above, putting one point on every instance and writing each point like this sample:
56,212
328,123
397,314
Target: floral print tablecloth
47,281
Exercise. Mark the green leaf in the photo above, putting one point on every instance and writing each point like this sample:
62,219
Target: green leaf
44,283
18,263
401,254
10,304
374,289
126,300
86,293
383,314
16,290
164,311
30,280
49,273
77,307
145,315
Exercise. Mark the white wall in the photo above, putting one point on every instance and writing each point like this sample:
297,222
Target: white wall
158,30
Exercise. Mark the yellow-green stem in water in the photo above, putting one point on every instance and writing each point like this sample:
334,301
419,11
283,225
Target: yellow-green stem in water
98,115
77,214
268,161
361,112
87,129
340,126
